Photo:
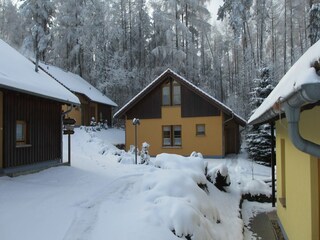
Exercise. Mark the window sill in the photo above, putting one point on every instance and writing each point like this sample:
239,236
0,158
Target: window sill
23,145
283,202
171,106
172,147
200,135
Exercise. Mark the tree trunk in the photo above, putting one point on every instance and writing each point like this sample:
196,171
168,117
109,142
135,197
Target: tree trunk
291,34
285,39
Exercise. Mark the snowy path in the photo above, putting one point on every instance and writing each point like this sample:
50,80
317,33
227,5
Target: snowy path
86,217
98,198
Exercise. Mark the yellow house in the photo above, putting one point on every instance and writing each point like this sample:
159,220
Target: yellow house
294,107
178,117
93,102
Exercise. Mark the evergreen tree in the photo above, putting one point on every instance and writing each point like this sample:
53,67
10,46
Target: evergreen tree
314,19
38,18
258,138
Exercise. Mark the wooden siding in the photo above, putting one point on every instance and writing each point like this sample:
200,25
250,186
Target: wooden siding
43,118
1,129
193,105
232,137
85,109
106,112
148,107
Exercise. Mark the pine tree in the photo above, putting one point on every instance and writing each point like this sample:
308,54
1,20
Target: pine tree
314,19
258,138
38,18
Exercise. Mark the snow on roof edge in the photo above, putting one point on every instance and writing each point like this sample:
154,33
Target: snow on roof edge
27,80
168,70
52,71
66,101
300,73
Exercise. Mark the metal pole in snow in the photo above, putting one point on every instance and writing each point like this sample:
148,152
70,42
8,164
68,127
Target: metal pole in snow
69,149
135,122
273,162
135,144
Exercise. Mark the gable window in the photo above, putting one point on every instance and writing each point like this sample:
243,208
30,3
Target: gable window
171,136
171,93
200,130
21,133
166,96
176,93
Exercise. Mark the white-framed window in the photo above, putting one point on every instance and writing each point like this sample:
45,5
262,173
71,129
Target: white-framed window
200,129
171,135
166,136
166,95
176,93
177,136
21,132
171,93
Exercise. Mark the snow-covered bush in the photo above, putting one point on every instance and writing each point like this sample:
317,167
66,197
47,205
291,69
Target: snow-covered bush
257,190
144,154
179,203
193,166
126,158
219,176
196,154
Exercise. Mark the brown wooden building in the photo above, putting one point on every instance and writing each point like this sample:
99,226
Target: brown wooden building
30,114
93,102
178,117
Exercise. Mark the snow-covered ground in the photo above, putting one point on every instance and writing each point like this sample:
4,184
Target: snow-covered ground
100,198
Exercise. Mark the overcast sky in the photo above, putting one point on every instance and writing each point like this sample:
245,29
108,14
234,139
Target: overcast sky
213,8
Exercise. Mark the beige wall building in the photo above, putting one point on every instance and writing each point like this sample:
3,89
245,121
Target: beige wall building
177,117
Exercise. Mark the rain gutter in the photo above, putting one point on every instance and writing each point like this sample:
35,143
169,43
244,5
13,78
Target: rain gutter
308,93
229,119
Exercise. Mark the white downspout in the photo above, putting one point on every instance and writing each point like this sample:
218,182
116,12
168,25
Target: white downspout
70,107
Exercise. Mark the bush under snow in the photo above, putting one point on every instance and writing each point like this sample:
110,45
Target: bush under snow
177,200
257,187
192,166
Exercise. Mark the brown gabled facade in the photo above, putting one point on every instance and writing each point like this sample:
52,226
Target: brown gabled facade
88,109
177,117
31,130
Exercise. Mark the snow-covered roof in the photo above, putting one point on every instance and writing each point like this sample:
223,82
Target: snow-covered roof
156,81
18,73
77,84
300,73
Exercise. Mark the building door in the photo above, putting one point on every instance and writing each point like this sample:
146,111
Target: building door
230,140
1,129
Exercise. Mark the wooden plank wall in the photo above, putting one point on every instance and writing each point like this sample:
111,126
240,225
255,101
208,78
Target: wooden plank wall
192,105
149,107
106,113
43,118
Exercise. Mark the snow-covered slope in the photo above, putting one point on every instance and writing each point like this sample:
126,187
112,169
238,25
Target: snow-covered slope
99,198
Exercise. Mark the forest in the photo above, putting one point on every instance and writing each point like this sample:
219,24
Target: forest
120,46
